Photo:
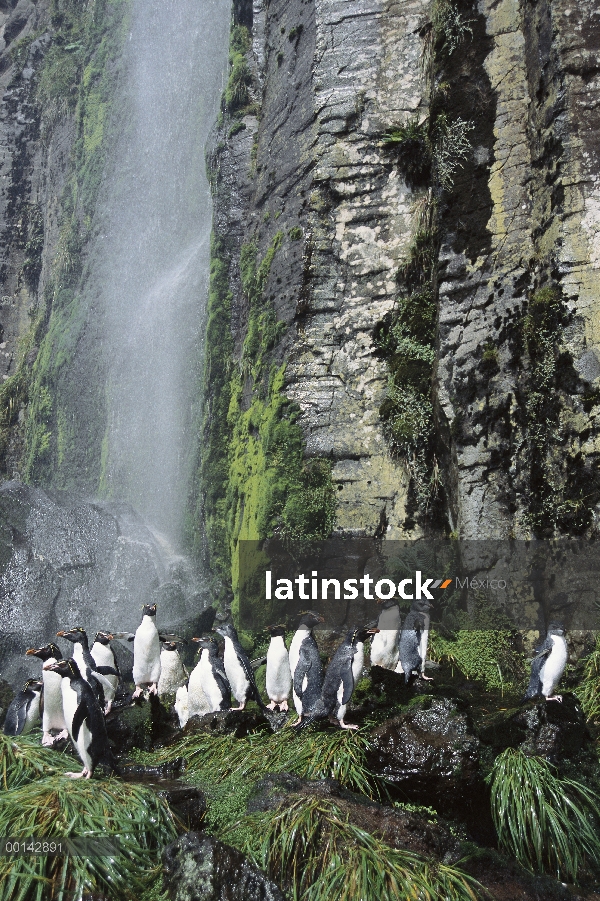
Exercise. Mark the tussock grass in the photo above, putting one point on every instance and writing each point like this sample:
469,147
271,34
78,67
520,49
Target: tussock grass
23,759
227,768
312,850
550,825
588,691
55,808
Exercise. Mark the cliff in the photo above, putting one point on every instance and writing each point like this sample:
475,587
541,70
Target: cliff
402,337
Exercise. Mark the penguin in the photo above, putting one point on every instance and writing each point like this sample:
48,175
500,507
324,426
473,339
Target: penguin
212,677
384,646
52,709
548,665
146,653
104,656
181,705
342,675
196,700
411,639
24,710
173,673
238,669
84,717
88,668
305,664
279,675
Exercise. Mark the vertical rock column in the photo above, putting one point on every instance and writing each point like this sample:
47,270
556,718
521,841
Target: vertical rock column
366,78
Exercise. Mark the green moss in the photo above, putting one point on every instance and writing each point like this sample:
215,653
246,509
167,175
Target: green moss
236,94
78,75
295,233
253,478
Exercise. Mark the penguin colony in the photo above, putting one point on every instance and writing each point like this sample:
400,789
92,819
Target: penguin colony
74,695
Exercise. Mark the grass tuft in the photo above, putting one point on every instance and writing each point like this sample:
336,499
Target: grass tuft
550,825
588,691
58,808
23,760
227,768
312,850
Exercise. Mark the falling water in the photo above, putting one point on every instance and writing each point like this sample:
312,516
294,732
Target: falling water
153,253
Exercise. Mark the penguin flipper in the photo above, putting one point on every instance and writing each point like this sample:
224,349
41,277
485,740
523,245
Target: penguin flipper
348,685
303,668
98,690
224,686
106,671
80,715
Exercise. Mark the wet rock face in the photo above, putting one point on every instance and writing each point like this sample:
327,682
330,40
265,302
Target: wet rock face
67,562
238,723
398,828
546,729
430,754
200,868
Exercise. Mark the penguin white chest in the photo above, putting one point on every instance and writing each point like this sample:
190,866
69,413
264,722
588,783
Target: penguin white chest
554,666
384,648
198,702
146,653
53,716
172,673
278,677
103,656
235,673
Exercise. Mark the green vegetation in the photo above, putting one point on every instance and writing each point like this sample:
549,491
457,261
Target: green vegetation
236,94
412,146
295,233
548,824
24,760
406,339
227,770
253,476
77,77
57,808
562,491
588,690
312,850
486,655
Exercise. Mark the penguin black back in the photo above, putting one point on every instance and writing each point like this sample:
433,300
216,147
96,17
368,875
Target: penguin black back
23,710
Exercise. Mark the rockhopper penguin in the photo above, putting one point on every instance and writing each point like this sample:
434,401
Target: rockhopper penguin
84,717
146,653
412,640
238,669
548,665
24,710
342,675
212,677
96,675
384,647
279,675
104,656
305,664
173,673
52,708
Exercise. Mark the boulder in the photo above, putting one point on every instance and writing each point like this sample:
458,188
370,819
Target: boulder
429,753
545,728
416,831
199,868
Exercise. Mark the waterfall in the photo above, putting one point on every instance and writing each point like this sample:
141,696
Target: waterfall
150,263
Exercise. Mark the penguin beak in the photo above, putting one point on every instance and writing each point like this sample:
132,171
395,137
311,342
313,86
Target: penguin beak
321,619
31,651
50,666
61,634
373,631
196,639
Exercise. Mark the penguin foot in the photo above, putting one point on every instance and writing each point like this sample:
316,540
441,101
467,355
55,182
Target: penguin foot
107,709
284,706
153,690
47,740
61,735
555,698
347,725
272,705
241,707
85,774
138,691
297,723
426,678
